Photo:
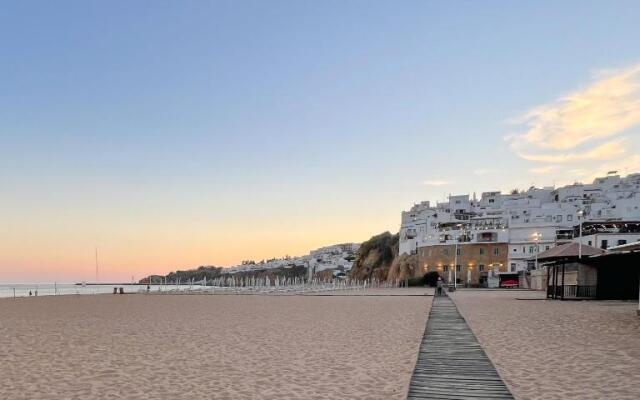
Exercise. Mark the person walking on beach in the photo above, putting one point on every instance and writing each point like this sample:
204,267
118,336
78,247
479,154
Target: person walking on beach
439,287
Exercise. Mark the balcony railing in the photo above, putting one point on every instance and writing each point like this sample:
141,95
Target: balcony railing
572,291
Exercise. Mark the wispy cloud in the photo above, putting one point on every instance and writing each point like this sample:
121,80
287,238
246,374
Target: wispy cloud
605,151
435,183
583,128
544,170
605,108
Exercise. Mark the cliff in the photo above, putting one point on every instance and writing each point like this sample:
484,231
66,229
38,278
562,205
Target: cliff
404,267
375,257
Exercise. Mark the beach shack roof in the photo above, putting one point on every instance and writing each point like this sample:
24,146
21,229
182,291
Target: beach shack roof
568,251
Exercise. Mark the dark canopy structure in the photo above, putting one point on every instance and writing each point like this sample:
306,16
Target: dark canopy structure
569,251
618,274
557,259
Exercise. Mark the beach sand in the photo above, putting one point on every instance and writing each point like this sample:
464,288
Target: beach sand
209,347
547,349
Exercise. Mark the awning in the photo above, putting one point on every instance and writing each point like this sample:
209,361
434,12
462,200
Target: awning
569,250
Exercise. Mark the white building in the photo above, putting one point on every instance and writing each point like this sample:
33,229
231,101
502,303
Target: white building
530,221
338,256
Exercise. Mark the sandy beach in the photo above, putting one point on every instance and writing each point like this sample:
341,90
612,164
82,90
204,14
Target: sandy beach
557,350
206,347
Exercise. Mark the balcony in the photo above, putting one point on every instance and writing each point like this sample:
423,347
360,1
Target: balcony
565,234
485,237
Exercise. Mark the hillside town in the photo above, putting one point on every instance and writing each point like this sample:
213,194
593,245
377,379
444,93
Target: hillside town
497,237
338,258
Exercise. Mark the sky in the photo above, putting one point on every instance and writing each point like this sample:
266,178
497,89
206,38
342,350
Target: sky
175,134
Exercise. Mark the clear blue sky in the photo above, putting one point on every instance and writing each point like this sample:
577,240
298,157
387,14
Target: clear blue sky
172,134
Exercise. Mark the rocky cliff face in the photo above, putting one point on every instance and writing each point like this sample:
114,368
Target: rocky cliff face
403,267
375,257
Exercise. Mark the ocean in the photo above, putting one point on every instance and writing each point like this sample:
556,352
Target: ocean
51,289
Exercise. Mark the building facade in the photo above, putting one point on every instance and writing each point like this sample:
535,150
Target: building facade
465,263
522,223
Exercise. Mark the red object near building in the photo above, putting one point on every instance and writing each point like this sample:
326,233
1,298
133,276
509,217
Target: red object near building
509,283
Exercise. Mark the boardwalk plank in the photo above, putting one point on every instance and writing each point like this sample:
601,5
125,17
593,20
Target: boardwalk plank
451,363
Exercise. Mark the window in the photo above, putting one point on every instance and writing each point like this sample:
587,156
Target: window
546,248
458,268
558,218
524,249
604,244
481,251
569,217
621,242
491,200
445,252
458,251
514,249
531,249
496,251
481,267
589,243
513,267
445,268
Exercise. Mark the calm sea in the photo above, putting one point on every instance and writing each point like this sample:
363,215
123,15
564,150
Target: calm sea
50,289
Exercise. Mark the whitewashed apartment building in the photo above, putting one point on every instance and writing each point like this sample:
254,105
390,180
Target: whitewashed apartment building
337,256
512,228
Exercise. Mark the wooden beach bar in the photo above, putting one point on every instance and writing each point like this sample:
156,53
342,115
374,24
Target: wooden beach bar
612,274
568,273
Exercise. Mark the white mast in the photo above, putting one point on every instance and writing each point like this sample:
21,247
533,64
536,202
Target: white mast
97,265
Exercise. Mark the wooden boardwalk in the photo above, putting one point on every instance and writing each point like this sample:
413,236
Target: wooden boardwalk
451,364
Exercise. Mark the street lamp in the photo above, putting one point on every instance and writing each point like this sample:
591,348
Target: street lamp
536,238
455,260
580,214
455,265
